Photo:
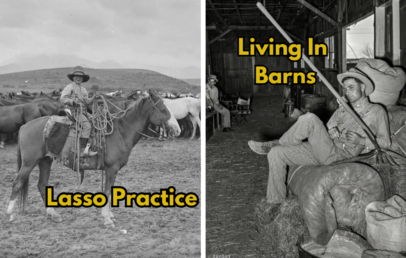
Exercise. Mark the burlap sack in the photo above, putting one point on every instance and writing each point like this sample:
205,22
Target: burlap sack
386,224
335,194
388,81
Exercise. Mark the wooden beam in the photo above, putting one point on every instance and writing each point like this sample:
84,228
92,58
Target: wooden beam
342,6
209,66
238,27
396,32
217,13
379,32
298,15
295,38
325,9
238,12
219,36
281,10
318,12
343,67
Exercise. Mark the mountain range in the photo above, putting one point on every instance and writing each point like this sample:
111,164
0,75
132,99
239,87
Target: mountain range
105,80
29,63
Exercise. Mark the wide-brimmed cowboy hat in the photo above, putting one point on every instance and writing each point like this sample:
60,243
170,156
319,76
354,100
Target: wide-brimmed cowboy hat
79,71
212,77
356,73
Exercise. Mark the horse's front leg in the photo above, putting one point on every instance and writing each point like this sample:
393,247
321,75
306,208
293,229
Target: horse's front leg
2,139
111,174
44,172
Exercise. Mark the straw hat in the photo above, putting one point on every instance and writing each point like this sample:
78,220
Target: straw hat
79,71
356,73
212,76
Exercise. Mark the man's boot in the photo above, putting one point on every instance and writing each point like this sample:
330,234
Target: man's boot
84,148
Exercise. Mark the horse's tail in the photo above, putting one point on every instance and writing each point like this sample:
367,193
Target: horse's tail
24,188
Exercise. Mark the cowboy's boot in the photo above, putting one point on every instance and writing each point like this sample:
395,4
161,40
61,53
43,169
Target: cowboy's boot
84,148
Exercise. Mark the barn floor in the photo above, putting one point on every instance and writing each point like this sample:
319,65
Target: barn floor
236,180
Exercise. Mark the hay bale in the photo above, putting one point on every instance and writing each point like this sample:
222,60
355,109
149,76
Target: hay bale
394,178
279,228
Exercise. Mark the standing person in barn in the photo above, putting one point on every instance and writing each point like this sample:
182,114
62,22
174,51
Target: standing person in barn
212,100
342,139
75,97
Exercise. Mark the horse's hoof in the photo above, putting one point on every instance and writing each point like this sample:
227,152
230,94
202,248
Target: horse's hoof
13,217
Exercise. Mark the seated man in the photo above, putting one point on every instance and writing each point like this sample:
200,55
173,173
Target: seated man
343,139
212,100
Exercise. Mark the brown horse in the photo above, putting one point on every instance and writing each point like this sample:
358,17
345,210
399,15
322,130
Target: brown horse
14,116
127,132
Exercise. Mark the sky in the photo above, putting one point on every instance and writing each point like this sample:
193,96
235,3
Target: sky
358,36
132,33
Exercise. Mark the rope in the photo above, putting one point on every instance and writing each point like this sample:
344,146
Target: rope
102,118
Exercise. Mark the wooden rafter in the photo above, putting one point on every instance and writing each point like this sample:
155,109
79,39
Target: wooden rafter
238,12
239,27
281,10
217,13
219,36
318,12
298,15
325,9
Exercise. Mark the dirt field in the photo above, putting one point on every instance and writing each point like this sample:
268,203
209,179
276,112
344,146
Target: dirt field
151,232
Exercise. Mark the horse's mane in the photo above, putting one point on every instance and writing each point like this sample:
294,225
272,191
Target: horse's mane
117,106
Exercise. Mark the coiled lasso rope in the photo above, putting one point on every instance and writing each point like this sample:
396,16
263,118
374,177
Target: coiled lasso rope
102,120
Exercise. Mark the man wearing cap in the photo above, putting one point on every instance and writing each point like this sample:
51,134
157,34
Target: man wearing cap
343,138
76,98
212,99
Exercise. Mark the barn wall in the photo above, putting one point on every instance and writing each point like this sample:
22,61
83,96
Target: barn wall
236,73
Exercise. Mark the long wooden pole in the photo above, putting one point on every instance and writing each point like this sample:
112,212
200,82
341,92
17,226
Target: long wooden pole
323,79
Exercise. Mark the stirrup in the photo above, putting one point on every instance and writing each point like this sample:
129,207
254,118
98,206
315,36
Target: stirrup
88,152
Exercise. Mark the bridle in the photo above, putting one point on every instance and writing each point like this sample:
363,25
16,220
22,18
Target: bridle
154,104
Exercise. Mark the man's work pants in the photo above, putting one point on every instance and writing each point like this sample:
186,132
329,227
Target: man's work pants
86,126
319,150
225,114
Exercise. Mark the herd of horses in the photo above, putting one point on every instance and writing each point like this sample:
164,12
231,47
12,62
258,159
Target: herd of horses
17,110
29,114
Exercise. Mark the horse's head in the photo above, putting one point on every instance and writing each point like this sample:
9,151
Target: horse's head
161,114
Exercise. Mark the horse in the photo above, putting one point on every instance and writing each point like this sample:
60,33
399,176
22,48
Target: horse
14,116
127,132
183,107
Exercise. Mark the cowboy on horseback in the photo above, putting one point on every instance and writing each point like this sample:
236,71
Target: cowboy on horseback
75,97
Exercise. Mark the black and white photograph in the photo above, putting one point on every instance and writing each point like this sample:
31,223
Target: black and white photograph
305,128
100,125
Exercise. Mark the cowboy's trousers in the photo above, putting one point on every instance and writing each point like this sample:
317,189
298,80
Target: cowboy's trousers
318,150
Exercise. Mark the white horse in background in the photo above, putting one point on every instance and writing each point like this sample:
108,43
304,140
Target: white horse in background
183,107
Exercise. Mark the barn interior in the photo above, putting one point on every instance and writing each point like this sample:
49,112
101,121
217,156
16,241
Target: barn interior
236,176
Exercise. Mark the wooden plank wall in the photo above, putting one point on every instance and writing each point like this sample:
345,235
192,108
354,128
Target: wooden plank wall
403,33
236,73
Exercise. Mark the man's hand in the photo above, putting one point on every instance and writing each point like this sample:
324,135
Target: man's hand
334,133
355,138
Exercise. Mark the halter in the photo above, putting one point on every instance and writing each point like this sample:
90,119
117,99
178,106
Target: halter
154,104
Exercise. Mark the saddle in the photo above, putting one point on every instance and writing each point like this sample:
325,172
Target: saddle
62,143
